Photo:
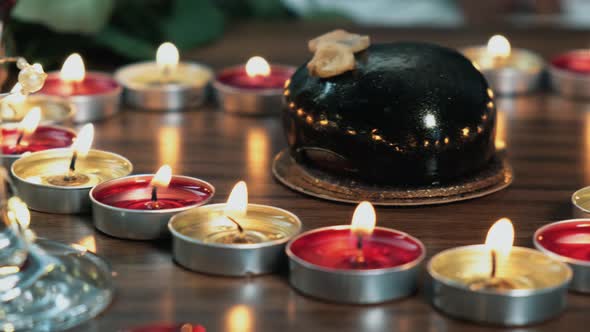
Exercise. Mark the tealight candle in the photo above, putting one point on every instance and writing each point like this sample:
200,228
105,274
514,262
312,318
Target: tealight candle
139,207
508,71
358,264
581,203
569,242
54,110
165,84
570,73
233,238
256,88
28,136
59,180
167,327
497,283
95,95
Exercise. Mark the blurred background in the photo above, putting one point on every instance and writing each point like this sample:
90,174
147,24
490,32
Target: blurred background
124,30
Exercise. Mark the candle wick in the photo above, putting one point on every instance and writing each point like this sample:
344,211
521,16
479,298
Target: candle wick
359,260
72,168
166,72
154,194
20,138
493,273
73,162
240,229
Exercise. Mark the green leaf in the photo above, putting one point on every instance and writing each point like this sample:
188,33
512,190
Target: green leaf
125,44
192,23
73,16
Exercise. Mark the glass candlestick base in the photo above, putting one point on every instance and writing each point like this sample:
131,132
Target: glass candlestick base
67,286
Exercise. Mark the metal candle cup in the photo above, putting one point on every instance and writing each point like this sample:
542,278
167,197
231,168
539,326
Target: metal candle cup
145,90
199,239
240,93
348,285
521,74
570,73
539,292
54,110
95,98
44,137
120,206
569,242
581,203
32,175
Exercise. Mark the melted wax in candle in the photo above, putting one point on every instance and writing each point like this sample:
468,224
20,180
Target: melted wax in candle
336,248
136,194
577,62
570,239
45,137
92,84
237,77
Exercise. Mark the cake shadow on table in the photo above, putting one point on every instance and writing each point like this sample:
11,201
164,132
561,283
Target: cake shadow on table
401,123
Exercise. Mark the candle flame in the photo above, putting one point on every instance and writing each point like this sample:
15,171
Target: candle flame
500,237
237,202
84,140
73,69
363,219
498,46
30,122
162,177
18,212
167,56
257,66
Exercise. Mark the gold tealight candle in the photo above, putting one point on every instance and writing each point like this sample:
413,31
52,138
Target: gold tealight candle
233,238
59,180
508,70
166,84
496,283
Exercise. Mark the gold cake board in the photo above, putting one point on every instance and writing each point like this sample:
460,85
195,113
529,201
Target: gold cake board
496,176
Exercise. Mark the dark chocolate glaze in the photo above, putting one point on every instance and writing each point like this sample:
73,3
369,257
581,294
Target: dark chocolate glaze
409,114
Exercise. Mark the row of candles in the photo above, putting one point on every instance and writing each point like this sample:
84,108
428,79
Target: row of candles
166,84
359,263
511,71
55,170
256,88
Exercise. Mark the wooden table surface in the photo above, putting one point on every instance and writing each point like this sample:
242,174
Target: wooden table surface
548,140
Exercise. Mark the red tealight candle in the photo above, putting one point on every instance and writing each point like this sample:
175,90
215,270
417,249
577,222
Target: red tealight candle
357,263
168,327
254,88
570,73
256,74
137,193
95,94
139,206
568,241
335,248
577,61
27,136
43,138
